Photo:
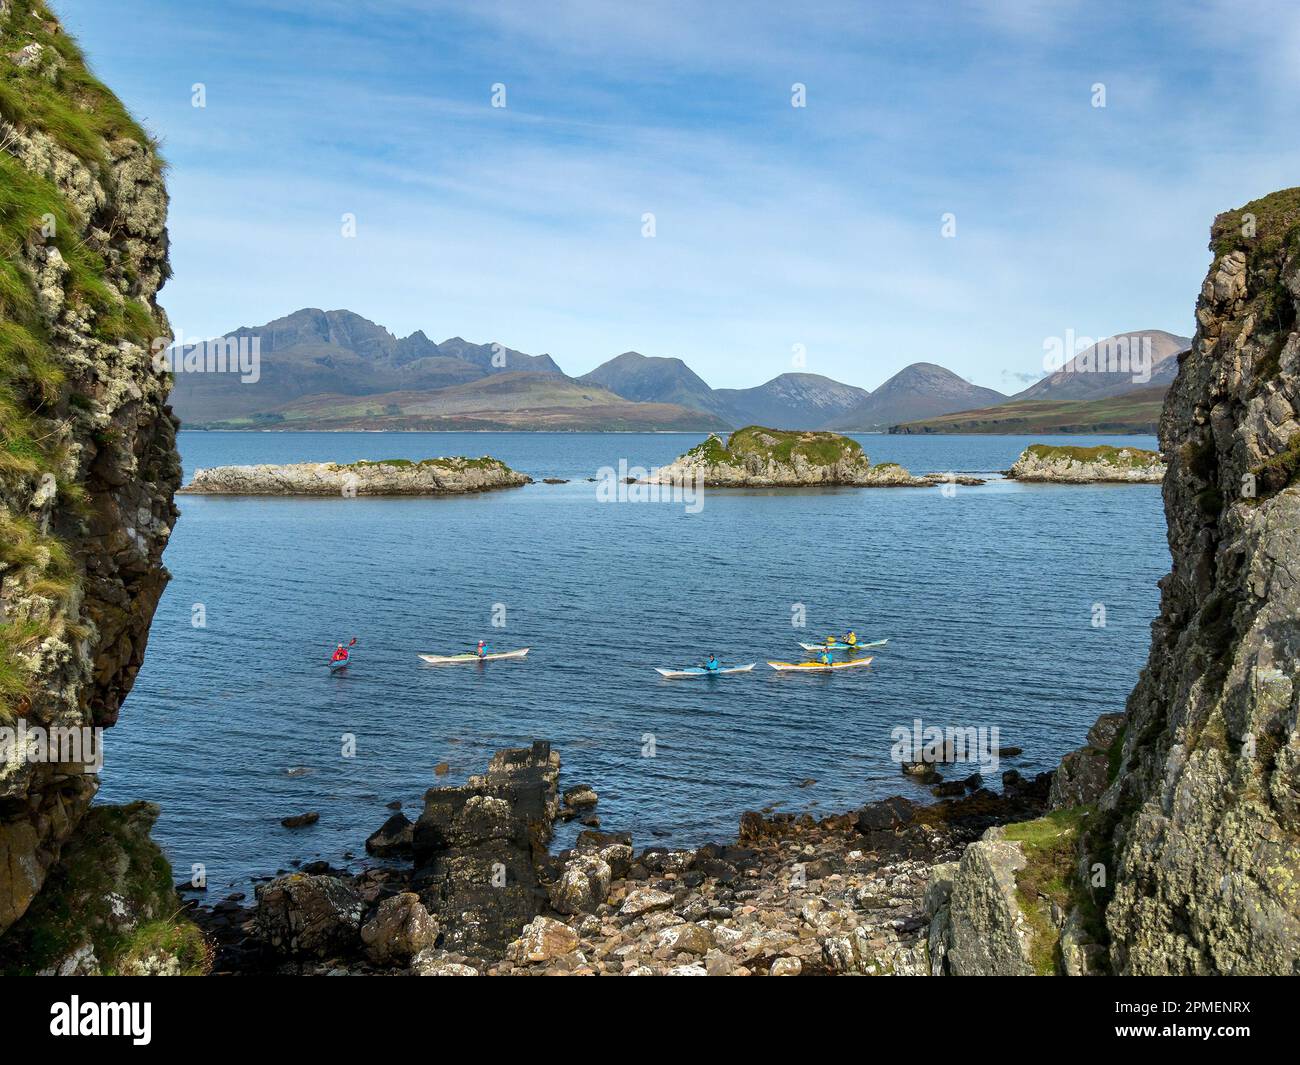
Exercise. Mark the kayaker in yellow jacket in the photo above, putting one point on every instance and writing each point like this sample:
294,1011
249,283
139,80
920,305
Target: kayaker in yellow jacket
851,639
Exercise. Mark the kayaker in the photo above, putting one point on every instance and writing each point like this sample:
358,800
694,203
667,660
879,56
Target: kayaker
340,654
712,665
851,639
826,657
481,649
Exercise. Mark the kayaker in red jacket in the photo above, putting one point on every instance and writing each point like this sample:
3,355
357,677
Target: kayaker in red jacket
481,649
340,654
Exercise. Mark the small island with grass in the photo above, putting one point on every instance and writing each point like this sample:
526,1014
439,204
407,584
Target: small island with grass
757,457
1102,464
385,477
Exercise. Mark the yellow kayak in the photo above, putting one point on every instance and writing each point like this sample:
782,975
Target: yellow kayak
810,667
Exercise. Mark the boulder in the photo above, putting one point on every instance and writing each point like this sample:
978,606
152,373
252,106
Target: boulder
300,914
582,886
437,963
399,930
392,839
641,901
989,934
543,939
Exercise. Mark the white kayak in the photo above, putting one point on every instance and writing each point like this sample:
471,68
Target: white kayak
700,671
843,646
819,667
446,660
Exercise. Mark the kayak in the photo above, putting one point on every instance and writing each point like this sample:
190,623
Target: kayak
813,667
443,660
842,646
700,671
340,664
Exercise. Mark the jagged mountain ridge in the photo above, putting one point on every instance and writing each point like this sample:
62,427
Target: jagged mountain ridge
317,366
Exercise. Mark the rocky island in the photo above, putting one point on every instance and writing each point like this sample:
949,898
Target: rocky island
387,477
1102,464
757,457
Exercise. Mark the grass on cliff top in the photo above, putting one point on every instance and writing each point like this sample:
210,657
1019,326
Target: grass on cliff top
486,462
1131,457
1267,230
58,96
780,445
73,106
1051,875
1274,218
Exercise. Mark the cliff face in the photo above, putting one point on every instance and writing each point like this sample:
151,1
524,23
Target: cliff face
1200,830
88,462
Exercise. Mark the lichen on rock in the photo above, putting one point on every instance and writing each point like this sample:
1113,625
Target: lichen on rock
88,462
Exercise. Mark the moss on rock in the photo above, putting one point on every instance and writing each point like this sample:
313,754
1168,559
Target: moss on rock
108,906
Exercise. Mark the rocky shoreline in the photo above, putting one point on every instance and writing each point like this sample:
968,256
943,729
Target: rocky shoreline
388,477
471,889
1102,464
757,457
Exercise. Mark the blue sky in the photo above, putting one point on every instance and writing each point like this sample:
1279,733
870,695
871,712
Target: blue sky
775,226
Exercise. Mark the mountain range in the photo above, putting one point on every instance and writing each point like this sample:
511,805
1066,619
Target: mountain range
337,370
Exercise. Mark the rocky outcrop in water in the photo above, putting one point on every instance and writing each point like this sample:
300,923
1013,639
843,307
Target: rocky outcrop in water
390,477
479,846
756,457
88,462
1101,464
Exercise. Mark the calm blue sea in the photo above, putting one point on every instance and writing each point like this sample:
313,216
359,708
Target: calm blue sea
988,598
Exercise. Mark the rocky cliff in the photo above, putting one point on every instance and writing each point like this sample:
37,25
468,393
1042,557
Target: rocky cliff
390,477
1088,465
1201,827
1174,842
758,457
87,445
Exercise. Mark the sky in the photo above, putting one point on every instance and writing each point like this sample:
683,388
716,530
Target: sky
784,237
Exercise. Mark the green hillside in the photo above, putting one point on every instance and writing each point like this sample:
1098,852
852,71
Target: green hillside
1134,412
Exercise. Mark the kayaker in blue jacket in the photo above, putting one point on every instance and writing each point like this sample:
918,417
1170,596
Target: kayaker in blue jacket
712,665
826,657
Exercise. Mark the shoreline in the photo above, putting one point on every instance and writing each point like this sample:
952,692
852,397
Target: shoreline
791,894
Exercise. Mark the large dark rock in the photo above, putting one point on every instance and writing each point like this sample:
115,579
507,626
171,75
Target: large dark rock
478,848
392,838
301,915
